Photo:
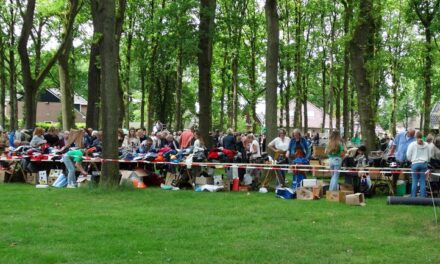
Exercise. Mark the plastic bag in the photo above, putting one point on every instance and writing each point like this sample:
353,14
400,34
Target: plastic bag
60,182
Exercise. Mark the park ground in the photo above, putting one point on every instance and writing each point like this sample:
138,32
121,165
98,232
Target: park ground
156,226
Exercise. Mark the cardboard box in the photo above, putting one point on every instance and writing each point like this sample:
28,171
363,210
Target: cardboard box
4,176
125,175
355,199
42,177
32,178
55,173
138,173
319,151
204,180
338,196
309,183
53,176
84,182
315,162
244,188
317,192
343,194
171,178
332,196
303,193
346,187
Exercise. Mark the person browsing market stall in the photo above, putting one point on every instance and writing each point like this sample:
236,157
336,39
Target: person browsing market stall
399,149
73,160
298,148
335,151
298,153
418,154
279,146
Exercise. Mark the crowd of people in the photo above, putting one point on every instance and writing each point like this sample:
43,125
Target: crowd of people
408,149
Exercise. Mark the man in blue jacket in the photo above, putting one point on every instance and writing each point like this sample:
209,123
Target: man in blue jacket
229,141
298,153
298,147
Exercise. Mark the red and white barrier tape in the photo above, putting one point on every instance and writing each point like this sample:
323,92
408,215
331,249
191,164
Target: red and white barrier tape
256,166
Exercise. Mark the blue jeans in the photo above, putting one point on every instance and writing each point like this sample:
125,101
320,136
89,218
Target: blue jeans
335,166
71,179
418,175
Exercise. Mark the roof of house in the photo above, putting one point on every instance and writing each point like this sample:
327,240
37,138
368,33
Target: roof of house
77,99
314,114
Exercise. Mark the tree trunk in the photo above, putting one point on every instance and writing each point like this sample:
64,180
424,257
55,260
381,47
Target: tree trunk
234,71
348,14
253,73
152,74
281,86
396,82
224,87
179,73
67,111
427,11
67,103
206,32
288,69
306,117
28,82
128,69
94,86
427,72
94,72
13,105
287,97
298,31
362,54
331,70
109,88
142,72
352,91
323,85
272,58
2,82
119,23
338,105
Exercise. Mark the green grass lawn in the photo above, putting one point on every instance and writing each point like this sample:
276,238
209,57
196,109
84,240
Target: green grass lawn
155,226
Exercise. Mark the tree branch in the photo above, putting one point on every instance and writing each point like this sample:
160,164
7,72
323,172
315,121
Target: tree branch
73,11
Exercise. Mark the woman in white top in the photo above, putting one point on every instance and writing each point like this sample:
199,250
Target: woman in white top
131,140
254,148
38,138
281,143
418,154
199,144
254,151
279,146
